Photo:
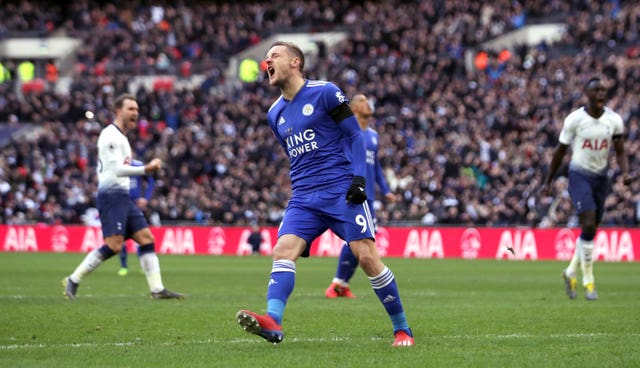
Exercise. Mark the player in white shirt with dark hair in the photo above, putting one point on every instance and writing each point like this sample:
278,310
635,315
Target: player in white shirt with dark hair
591,130
119,216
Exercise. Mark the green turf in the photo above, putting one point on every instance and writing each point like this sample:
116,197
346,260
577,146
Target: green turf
463,313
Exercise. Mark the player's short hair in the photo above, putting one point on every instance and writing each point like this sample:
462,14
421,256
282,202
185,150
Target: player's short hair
120,100
293,49
591,80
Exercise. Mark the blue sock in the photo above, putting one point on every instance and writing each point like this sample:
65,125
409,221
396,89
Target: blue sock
148,248
281,283
106,252
347,264
384,285
123,256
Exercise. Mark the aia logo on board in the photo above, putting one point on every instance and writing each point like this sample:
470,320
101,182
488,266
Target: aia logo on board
59,239
216,241
382,241
470,243
564,244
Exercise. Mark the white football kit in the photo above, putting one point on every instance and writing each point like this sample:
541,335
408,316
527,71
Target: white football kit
118,214
590,139
114,160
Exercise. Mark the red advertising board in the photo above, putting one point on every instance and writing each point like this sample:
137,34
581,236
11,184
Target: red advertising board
611,244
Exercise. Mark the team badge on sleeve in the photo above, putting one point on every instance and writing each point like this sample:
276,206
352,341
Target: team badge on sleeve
340,97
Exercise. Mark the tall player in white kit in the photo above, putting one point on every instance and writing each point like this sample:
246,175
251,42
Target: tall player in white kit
591,130
119,216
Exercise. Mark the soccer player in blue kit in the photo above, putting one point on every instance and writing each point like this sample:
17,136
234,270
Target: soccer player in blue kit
591,131
313,122
347,262
119,216
136,194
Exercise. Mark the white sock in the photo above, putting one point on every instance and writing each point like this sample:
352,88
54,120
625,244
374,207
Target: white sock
90,262
575,260
587,262
151,267
340,282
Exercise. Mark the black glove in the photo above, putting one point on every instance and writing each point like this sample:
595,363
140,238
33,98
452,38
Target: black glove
356,193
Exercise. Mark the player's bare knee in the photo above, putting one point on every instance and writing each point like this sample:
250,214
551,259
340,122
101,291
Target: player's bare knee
288,247
285,253
372,269
115,243
144,236
367,261
371,264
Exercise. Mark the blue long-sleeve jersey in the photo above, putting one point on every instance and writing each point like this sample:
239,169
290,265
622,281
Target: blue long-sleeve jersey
313,130
374,169
135,191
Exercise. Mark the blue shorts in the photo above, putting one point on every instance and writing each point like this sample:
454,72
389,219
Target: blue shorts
309,215
373,215
588,192
118,214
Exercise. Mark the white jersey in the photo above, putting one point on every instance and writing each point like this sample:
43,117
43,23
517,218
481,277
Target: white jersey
114,160
590,138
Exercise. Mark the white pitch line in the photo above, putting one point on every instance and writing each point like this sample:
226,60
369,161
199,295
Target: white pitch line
312,340
170,343
529,336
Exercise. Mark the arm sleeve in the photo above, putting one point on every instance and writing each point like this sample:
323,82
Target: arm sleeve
355,140
618,126
338,107
380,180
151,183
280,140
127,170
112,157
568,130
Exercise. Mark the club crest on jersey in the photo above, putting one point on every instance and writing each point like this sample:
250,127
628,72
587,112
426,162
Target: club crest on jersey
307,109
340,97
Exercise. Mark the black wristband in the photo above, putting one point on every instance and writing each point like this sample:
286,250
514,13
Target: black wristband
358,180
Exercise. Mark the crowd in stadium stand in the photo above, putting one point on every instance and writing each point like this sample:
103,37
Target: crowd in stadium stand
458,147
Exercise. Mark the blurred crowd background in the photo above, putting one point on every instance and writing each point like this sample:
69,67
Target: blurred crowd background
459,146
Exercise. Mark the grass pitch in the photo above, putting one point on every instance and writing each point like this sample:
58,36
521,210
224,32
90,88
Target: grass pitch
463,313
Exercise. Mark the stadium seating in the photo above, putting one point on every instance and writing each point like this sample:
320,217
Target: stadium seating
461,147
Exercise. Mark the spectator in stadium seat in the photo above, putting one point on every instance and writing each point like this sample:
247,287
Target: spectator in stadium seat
312,121
120,218
424,96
